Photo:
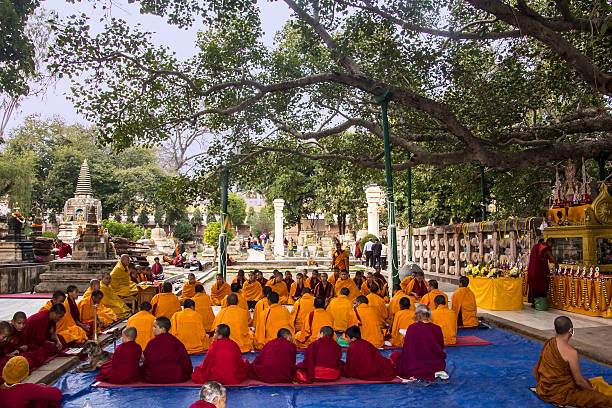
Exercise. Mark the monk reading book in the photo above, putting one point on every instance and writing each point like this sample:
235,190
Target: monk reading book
143,323
86,310
275,363
364,361
433,291
318,318
123,367
186,326
165,303
189,288
223,361
442,316
301,309
14,393
242,302
111,300
219,290
105,313
237,319
278,285
346,282
297,288
66,327
369,321
341,310
40,329
560,380
402,319
323,358
252,291
165,359
212,395
8,349
203,306
72,309
463,303
271,320
36,356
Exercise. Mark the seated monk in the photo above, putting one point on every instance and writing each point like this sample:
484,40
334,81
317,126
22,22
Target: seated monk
313,280
365,288
346,282
260,278
379,277
446,319
111,300
359,279
219,291
187,327
57,297
301,309
237,319
40,329
105,313
123,367
463,303
261,305
165,303
86,310
14,393
252,291
288,280
335,276
394,307
318,318
376,301
275,363
323,357
278,285
203,307
369,322
417,288
404,283
363,361
433,291
341,310
560,380
143,323
402,319
165,358
271,320
66,327
422,355
240,279
189,288
121,282
212,395
324,289
297,288
242,302
223,362
72,309
36,356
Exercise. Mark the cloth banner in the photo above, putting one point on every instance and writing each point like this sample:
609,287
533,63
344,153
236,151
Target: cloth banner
498,293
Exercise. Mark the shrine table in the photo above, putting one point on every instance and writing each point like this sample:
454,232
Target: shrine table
498,293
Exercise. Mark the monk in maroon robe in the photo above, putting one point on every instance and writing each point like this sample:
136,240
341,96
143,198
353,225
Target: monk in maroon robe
423,353
364,361
165,358
538,270
323,358
275,363
36,356
72,295
40,330
15,394
223,362
123,367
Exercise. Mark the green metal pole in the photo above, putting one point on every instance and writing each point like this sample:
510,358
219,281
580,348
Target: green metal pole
392,236
484,193
409,172
223,234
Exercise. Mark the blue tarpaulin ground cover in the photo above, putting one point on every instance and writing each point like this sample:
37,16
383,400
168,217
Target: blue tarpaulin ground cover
483,376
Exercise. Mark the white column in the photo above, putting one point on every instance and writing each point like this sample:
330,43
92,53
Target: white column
279,246
373,195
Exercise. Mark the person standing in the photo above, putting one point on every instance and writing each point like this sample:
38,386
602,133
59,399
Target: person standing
538,270
367,250
376,251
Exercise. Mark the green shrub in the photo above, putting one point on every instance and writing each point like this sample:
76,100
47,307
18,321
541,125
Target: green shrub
183,231
49,234
211,234
366,239
128,231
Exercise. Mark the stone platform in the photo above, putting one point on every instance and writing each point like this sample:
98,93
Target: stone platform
76,272
20,277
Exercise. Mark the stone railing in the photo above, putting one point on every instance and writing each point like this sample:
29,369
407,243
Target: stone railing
445,250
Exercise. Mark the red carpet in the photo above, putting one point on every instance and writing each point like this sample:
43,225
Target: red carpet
26,296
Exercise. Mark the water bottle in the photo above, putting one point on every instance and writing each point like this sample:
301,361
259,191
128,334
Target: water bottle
87,403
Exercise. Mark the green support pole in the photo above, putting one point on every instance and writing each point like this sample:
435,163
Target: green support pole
484,193
409,172
223,234
392,236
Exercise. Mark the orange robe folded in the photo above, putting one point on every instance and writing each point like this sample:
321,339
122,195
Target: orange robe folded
316,319
223,363
217,294
350,284
370,323
341,310
295,291
188,290
272,319
86,311
114,302
378,303
447,320
301,310
404,283
394,306
186,326
428,299
463,303
281,289
143,323
165,304
242,302
204,308
261,305
67,328
402,319
252,291
238,321
556,384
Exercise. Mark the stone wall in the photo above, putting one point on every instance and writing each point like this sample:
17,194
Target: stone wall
64,272
19,277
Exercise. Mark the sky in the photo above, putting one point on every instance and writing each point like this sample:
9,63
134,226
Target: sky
54,102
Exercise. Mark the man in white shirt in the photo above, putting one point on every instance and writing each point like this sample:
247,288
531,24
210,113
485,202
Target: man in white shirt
367,250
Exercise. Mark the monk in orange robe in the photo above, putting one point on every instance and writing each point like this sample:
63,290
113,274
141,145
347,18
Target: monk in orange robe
369,321
242,302
363,361
238,321
323,357
402,319
219,291
297,288
165,303
313,280
123,367
393,308
112,300
560,380
203,307
378,303
143,323
240,279
301,309
279,286
186,326
346,282
359,279
274,318
417,288
105,313
406,281
86,310
72,294
65,327
340,258
428,299
463,303
446,319
365,288
318,318
121,282
261,305
252,291
335,276
189,288
341,310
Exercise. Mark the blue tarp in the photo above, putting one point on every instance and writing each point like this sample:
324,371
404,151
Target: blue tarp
483,376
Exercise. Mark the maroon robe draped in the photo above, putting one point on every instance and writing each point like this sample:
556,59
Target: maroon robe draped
202,404
35,355
223,363
423,352
538,271
38,330
31,395
314,283
325,293
275,363
166,361
380,279
364,361
420,288
123,367
262,281
288,282
322,360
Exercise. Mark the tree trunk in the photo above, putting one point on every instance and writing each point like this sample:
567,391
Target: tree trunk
299,225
